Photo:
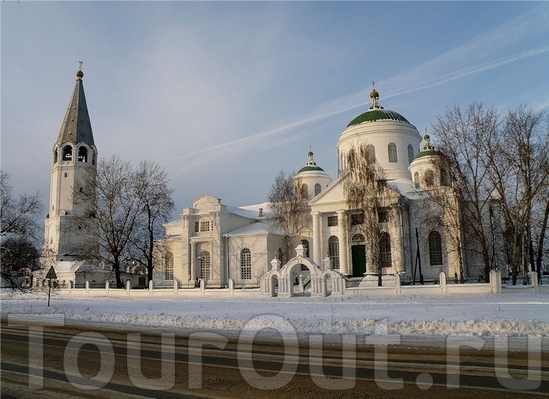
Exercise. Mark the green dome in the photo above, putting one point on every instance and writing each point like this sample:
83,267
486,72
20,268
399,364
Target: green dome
377,114
428,153
309,168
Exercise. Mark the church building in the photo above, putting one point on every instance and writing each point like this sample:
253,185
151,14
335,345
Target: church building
416,233
417,237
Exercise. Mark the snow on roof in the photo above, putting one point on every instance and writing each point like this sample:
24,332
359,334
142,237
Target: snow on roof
250,211
66,266
256,229
405,187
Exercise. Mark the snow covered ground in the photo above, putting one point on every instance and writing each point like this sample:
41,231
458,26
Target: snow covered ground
517,315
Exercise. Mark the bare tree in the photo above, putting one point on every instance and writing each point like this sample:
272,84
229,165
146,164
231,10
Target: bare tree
289,207
366,192
18,214
114,208
441,208
18,230
519,171
152,189
467,139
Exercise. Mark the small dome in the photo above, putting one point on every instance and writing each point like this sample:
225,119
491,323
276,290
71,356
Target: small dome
310,165
428,150
310,168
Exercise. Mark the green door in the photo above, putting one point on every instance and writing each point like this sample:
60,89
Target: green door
359,260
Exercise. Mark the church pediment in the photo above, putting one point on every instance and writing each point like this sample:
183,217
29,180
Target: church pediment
206,203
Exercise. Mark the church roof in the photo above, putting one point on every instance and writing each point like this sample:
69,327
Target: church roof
428,149
257,228
311,165
76,127
376,113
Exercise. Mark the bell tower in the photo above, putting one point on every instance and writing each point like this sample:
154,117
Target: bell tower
74,163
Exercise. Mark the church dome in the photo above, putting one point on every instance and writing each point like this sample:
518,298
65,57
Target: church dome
377,114
311,165
313,179
387,136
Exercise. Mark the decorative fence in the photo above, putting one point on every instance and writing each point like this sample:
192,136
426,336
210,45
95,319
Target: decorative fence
493,287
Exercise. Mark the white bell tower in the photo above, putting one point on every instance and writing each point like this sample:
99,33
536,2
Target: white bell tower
74,160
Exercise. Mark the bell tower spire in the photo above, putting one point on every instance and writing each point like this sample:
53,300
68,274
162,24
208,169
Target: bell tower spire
74,163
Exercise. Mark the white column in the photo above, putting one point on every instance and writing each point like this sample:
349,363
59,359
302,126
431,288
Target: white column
343,250
193,262
317,238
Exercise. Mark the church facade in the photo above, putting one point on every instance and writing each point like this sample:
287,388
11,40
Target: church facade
416,237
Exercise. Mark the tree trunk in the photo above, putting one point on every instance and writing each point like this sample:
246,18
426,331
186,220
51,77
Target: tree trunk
541,241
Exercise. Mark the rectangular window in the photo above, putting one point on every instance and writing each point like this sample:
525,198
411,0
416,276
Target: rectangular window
196,227
246,264
383,215
332,221
357,218
205,226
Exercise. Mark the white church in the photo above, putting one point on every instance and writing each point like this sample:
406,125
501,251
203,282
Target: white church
218,244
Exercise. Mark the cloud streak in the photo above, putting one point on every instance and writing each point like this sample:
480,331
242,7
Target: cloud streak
238,145
522,27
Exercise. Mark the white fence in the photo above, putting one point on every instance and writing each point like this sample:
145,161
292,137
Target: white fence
493,287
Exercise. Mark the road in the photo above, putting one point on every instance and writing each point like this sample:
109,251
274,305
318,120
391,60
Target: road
90,361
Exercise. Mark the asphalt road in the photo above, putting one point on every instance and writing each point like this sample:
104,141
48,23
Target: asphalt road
91,361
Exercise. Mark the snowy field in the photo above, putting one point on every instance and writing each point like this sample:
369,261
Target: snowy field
517,315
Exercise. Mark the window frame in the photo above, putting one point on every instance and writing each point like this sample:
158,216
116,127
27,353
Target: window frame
411,154
435,248
392,153
205,270
168,267
385,255
318,189
245,264
333,251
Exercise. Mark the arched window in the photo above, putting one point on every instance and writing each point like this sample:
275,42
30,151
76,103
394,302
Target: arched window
416,179
392,148
385,250
410,153
204,264
429,178
168,266
435,248
357,239
318,189
304,191
371,153
443,177
83,154
67,153
246,264
333,251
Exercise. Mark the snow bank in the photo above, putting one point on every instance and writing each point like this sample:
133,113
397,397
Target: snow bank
467,315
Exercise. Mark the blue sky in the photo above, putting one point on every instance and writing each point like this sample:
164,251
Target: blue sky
224,95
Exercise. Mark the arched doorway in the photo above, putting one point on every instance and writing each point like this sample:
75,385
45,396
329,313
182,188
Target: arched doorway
358,252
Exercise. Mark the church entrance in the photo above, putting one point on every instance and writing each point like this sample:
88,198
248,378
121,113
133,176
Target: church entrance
358,252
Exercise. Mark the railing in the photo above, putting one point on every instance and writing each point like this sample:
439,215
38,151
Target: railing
495,286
